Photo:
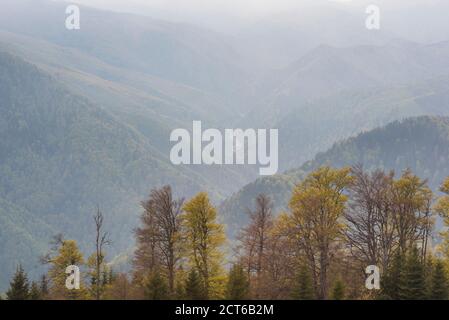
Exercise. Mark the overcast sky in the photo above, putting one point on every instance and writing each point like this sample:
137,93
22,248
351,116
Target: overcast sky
225,15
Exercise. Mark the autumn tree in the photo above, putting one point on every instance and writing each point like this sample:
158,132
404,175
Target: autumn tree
205,238
64,253
411,208
119,288
442,209
317,207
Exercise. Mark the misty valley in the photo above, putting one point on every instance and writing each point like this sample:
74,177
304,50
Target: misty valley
278,150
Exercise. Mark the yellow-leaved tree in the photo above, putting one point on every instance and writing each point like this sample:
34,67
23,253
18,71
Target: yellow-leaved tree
316,220
66,254
442,209
205,238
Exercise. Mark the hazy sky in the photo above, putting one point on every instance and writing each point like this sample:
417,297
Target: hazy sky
228,15
240,8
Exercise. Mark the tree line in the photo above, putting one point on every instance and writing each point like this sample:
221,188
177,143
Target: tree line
338,222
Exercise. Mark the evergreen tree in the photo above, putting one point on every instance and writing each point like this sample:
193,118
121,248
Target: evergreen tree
303,289
43,286
194,289
35,293
156,288
439,283
338,291
238,284
413,286
19,287
392,279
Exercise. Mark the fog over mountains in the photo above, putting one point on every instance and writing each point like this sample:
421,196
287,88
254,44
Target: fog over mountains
87,115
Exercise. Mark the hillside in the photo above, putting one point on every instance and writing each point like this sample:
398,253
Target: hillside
154,76
61,157
421,144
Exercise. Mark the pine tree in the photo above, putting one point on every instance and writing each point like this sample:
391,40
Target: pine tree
194,289
303,289
238,284
19,287
338,291
414,275
156,288
392,279
35,293
439,283
43,286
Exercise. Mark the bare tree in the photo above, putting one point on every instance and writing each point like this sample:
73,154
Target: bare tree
253,238
101,240
386,215
371,229
161,231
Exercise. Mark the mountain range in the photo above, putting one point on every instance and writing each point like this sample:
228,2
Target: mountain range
86,115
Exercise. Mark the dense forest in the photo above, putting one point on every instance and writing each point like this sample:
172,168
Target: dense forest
339,222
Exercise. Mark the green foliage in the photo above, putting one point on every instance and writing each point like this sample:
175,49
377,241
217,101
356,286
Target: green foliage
238,284
413,285
338,291
43,287
392,279
194,288
439,282
61,156
19,286
303,288
35,293
156,287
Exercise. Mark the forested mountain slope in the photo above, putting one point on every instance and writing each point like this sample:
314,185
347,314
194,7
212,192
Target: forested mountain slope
421,144
61,156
